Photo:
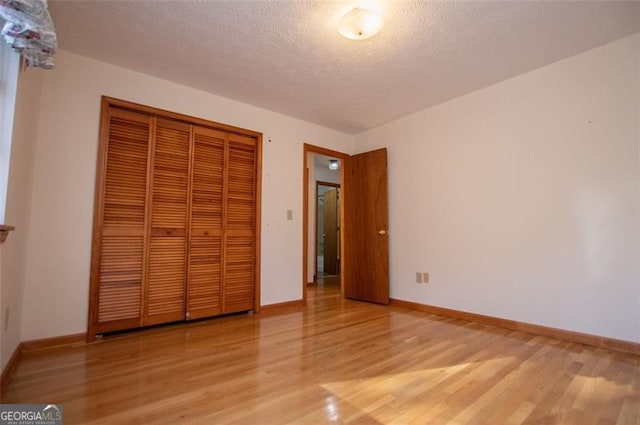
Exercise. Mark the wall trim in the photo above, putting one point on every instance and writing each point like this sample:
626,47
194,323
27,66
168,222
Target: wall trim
34,345
587,339
11,366
74,340
283,307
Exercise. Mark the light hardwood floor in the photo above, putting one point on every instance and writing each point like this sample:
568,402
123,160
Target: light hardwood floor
338,361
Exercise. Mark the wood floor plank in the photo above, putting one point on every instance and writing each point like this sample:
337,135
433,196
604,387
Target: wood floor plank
336,361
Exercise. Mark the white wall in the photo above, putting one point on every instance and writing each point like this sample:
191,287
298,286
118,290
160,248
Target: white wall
14,250
9,67
63,187
522,199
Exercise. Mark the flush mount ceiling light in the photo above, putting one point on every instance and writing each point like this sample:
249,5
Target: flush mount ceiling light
334,164
360,24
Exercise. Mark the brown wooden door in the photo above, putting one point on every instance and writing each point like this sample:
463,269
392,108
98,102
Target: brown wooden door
239,241
204,293
366,242
166,276
119,238
330,226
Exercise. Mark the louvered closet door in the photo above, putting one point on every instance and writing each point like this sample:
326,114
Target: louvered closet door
122,234
204,289
239,253
166,278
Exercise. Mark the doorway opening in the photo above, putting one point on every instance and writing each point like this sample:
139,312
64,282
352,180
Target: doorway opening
364,222
327,229
322,210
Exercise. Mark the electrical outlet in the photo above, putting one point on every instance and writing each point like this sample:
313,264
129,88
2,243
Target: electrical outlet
418,277
425,277
6,318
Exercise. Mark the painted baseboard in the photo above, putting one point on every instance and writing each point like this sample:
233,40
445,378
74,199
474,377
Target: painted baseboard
54,342
39,345
588,339
282,307
11,366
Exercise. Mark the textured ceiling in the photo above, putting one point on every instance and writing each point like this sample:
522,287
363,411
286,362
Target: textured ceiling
287,56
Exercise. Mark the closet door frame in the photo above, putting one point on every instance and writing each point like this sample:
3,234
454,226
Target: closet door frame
107,104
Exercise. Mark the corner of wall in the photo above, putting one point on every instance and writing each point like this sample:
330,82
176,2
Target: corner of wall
472,178
19,191
9,66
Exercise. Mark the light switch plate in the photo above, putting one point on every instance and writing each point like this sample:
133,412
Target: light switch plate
289,214
418,277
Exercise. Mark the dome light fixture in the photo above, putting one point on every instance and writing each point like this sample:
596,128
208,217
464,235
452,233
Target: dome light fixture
360,24
334,164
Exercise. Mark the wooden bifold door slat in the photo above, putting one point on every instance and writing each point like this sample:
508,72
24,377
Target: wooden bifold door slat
239,252
176,219
205,277
204,297
124,206
165,295
241,186
239,269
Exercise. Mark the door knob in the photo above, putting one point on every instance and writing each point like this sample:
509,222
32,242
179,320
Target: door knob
382,232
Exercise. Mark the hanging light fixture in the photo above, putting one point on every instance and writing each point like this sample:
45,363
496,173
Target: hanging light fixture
334,164
360,24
